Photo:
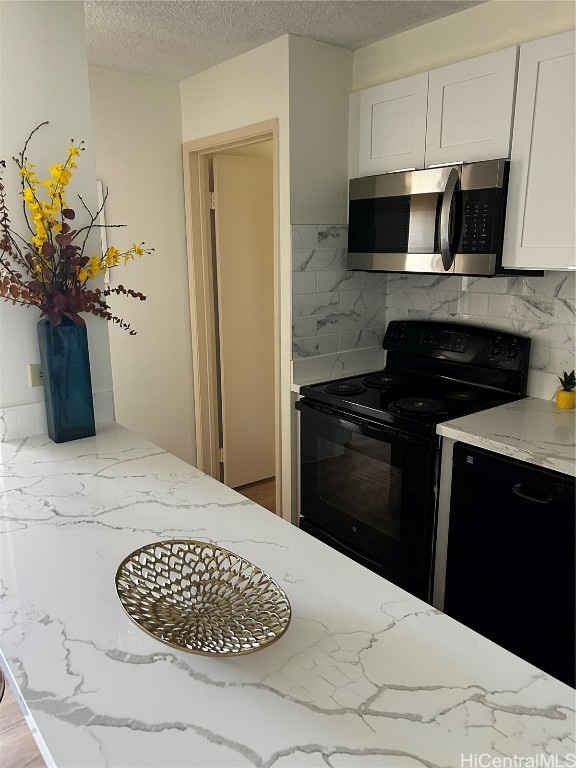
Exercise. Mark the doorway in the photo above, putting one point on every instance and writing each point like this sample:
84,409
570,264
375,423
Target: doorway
231,211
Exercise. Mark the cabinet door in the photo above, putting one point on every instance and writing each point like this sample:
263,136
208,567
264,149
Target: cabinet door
393,125
540,218
470,107
500,510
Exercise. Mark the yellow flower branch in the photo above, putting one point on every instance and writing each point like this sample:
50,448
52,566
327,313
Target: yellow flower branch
57,267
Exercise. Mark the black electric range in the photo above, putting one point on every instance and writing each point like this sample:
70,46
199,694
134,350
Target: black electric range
369,452
434,372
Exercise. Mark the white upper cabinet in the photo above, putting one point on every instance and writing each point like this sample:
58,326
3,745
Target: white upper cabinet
470,107
458,113
392,126
540,221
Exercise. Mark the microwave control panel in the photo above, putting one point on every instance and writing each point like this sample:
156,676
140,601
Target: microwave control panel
476,215
482,221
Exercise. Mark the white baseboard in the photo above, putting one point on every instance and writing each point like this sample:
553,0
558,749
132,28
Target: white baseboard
20,421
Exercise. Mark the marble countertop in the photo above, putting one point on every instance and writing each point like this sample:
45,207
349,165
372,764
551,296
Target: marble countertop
366,675
531,430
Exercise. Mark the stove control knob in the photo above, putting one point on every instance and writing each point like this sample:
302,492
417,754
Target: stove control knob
496,349
512,352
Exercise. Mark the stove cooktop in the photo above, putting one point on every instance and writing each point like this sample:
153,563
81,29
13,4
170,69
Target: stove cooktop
414,403
434,371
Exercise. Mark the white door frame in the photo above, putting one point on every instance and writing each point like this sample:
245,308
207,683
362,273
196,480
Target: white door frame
201,283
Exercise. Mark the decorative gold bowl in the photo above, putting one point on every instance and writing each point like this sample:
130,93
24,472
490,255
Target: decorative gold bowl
202,598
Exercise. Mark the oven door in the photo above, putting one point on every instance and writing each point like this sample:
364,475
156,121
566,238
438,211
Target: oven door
369,490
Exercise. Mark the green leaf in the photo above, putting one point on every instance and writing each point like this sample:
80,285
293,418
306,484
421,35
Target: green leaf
568,381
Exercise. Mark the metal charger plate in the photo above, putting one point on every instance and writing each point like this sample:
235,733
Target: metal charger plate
202,598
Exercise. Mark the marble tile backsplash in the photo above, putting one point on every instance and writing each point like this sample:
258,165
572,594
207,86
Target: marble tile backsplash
333,310
20,421
336,312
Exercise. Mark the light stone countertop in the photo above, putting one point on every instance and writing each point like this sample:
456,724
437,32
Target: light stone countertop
366,675
531,430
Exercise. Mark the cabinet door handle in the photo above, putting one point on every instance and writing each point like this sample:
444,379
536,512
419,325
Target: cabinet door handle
448,194
532,494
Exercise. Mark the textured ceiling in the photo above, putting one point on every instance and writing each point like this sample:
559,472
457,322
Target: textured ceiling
175,39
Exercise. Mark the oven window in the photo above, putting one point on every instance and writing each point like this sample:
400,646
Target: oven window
360,480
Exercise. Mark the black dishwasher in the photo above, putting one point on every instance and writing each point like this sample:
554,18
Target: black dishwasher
510,571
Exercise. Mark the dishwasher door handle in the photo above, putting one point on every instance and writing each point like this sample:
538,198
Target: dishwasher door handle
532,494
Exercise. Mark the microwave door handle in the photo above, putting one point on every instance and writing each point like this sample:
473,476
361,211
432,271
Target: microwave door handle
447,195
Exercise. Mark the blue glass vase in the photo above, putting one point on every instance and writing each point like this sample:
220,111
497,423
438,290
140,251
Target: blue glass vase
66,378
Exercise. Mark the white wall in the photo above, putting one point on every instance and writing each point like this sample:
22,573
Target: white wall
246,89
484,28
43,76
320,83
138,139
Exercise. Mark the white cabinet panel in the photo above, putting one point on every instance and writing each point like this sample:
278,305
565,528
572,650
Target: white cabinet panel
393,125
470,106
540,222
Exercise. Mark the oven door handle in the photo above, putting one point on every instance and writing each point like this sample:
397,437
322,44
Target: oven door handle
352,425
357,424
360,426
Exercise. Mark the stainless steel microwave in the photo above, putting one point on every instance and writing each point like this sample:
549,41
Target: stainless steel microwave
447,220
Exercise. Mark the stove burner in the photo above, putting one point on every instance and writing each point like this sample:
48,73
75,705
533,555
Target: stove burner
418,405
383,380
465,397
344,388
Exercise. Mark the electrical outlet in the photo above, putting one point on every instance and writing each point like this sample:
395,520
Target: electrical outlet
35,375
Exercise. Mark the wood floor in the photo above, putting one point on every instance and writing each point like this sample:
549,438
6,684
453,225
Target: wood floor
263,492
17,746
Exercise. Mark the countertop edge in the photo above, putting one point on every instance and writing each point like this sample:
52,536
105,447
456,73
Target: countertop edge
530,430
